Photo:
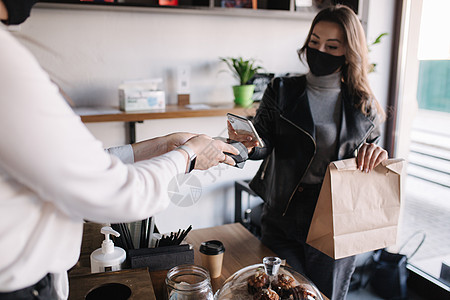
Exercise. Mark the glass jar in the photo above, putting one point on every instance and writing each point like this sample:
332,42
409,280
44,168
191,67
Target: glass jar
188,282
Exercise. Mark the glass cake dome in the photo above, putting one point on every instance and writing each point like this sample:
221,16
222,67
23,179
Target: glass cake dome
269,280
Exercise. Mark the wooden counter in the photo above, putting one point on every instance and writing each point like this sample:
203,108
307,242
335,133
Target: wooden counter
241,249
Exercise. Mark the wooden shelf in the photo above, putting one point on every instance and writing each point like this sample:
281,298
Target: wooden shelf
113,114
286,10
198,10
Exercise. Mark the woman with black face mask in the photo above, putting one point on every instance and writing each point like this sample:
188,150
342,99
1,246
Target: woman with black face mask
306,122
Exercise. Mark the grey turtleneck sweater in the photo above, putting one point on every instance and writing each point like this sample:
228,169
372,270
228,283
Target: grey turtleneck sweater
325,103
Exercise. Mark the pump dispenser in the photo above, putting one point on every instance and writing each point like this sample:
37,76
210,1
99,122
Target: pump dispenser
108,257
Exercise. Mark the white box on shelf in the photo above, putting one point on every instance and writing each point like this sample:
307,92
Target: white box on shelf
140,95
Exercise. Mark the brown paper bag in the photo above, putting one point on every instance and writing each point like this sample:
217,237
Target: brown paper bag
356,211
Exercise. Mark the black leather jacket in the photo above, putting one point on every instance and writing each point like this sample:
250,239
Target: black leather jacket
284,122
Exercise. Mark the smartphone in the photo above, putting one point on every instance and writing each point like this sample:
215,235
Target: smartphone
244,126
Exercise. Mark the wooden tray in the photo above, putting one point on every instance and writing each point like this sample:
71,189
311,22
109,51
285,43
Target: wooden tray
138,280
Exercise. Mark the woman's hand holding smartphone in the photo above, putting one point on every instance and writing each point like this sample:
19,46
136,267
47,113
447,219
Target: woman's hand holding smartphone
240,129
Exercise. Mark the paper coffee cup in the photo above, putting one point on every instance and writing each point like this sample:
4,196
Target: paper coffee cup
212,257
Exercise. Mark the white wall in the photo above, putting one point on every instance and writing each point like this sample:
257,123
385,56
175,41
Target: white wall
93,51
381,19
89,52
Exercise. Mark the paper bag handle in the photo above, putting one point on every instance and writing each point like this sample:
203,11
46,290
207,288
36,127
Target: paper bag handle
410,238
392,164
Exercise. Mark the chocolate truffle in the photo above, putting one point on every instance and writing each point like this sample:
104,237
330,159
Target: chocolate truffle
266,294
258,281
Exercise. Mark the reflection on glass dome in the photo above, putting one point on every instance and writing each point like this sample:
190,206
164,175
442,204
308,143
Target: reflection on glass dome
268,281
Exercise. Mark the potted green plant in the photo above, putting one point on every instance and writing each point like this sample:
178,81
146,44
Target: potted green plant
372,66
243,70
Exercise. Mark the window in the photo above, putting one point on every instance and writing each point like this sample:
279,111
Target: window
423,137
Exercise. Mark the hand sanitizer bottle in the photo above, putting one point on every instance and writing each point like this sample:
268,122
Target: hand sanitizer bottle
108,257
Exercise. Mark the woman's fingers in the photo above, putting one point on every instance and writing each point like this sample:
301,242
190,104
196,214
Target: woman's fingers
231,132
360,157
240,136
367,158
370,156
378,156
243,137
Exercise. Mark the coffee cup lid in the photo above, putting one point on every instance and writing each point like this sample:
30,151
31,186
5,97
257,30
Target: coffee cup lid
213,247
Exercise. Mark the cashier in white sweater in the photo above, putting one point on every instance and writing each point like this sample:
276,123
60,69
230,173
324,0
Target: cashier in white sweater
54,174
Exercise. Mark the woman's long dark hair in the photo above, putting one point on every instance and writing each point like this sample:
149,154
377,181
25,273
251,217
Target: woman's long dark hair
355,70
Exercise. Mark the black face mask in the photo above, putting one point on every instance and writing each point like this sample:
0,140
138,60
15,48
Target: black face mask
18,10
321,63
